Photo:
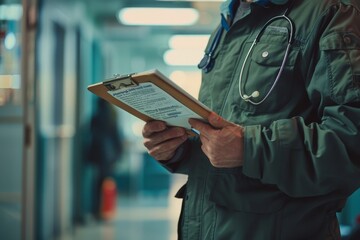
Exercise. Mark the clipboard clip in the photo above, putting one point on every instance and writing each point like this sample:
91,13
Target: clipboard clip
120,81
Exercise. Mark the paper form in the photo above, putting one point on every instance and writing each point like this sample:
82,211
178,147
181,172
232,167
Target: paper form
151,100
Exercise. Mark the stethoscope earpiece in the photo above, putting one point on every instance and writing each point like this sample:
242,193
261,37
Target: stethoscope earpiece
255,94
206,63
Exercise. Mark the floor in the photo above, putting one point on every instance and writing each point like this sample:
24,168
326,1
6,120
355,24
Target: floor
137,218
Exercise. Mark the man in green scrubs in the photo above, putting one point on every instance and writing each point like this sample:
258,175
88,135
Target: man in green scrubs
281,151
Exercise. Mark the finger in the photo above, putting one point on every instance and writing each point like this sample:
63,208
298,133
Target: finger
200,126
164,156
217,121
152,127
166,150
159,137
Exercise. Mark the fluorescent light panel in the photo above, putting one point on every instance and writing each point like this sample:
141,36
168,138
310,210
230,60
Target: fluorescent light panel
188,80
188,41
181,57
9,12
158,16
185,50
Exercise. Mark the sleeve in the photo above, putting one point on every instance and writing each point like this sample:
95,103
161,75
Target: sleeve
310,159
185,158
172,165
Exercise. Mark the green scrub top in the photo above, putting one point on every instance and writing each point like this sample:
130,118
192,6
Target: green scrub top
301,145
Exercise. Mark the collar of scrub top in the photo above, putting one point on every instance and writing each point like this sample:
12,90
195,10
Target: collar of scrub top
228,11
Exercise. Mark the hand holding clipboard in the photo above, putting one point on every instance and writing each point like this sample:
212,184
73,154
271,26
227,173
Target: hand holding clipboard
151,96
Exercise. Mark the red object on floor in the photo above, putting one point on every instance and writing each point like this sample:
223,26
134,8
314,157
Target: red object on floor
108,199
358,219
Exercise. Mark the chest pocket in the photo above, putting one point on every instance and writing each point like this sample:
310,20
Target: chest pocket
260,72
342,51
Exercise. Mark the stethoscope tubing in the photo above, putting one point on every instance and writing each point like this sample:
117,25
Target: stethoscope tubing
207,62
246,97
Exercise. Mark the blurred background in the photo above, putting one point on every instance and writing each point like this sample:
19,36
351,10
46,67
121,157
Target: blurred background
72,166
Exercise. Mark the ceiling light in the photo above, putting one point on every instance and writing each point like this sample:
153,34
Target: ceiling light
188,80
158,16
181,57
10,12
188,41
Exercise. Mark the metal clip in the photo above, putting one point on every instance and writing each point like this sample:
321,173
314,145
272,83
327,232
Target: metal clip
120,81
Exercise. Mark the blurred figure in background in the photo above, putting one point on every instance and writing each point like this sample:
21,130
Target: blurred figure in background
105,148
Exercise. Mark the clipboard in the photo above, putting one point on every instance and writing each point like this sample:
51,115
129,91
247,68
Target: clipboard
151,96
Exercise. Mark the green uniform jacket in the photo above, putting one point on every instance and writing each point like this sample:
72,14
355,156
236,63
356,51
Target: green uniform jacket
302,144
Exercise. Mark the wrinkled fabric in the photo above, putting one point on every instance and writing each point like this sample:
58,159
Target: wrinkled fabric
228,9
301,145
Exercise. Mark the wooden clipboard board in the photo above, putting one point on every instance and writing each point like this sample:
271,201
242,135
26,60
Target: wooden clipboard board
118,91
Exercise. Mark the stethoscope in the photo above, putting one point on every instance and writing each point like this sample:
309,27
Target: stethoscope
207,62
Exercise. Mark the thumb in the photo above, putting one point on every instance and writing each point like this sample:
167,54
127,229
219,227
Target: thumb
217,121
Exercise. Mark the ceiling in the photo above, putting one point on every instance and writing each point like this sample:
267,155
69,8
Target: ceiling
103,15
130,48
